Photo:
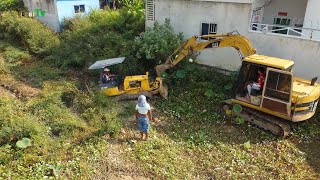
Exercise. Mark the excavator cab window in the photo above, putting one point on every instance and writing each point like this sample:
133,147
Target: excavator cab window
278,86
249,88
277,91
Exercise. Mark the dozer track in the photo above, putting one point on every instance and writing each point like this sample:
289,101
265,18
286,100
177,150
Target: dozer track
265,121
134,96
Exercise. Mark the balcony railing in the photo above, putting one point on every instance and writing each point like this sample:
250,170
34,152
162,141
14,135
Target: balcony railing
298,32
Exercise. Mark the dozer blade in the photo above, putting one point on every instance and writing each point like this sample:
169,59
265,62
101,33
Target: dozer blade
163,90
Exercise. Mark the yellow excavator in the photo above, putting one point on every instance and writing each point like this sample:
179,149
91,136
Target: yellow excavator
281,98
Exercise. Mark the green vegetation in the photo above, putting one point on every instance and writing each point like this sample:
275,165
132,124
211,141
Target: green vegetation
6,5
192,140
101,35
31,34
155,44
70,130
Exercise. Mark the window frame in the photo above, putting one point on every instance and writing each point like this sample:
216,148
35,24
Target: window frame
150,10
276,89
212,29
264,97
280,25
79,8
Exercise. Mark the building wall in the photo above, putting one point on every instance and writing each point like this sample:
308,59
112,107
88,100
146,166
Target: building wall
296,10
66,7
228,1
186,17
51,16
312,18
305,53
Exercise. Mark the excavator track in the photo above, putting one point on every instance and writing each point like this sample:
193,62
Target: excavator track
265,121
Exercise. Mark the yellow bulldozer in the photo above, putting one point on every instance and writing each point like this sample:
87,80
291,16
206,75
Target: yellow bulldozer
281,98
130,87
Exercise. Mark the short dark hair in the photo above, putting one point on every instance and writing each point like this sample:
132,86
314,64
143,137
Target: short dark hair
261,69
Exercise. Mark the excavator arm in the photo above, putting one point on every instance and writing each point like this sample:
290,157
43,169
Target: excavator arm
195,43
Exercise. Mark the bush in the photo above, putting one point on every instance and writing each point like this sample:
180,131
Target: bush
100,35
31,33
6,5
15,125
14,55
207,85
37,73
156,44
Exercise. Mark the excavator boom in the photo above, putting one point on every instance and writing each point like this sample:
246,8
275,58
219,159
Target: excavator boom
197,43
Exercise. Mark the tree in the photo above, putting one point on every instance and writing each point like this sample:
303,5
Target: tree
155,45
6,5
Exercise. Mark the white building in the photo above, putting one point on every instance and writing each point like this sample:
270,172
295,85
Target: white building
288,29
55,11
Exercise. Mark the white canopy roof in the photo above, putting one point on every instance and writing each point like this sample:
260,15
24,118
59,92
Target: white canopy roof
108,62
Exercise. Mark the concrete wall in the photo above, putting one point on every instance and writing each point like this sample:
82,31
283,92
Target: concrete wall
66,7
51,16
305,53
186,17
228,1
296,10
312,18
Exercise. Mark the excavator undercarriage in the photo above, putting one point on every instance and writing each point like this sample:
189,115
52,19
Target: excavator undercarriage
264,121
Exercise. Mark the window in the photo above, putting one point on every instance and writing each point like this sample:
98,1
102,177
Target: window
278,86
282,22
208,28
150,10
79,9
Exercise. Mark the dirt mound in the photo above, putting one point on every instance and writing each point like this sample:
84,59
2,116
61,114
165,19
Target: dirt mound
17,88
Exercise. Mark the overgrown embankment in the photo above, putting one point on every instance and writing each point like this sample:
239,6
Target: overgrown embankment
64,121
78,133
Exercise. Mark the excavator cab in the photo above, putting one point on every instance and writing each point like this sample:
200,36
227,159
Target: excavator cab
275,91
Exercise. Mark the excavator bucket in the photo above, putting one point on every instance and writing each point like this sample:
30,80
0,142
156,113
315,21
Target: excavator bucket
161,68
163,90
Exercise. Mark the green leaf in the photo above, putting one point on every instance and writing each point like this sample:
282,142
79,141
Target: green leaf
228,86
21,144
209,93
26,141
228,112
239,120
58,167
163,74
237,108
247,145
181,73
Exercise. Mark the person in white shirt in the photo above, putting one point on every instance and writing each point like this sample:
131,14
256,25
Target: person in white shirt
143,116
